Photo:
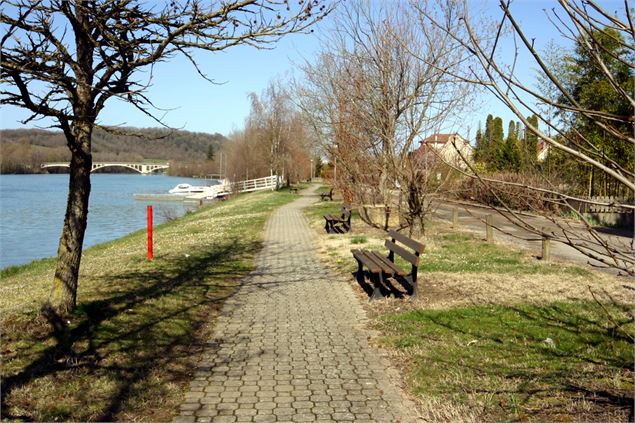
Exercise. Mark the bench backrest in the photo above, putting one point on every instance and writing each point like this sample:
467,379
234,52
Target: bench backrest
346,213
411,256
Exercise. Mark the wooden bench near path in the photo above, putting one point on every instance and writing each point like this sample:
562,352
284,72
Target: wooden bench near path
381,267
325,195
339,224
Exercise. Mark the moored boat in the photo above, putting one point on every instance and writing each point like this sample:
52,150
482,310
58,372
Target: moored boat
187,189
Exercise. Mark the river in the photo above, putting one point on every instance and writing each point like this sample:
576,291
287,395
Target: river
32,211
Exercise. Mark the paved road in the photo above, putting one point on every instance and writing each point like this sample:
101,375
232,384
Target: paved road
290,345
472,218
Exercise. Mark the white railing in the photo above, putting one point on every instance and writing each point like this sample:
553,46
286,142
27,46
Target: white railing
226,188
269,182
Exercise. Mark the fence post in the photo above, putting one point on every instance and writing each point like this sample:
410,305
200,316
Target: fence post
455,217
489,234
546,245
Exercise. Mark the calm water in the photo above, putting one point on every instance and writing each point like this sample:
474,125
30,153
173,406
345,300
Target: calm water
33,206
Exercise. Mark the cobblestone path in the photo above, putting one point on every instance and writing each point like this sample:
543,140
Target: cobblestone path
290,346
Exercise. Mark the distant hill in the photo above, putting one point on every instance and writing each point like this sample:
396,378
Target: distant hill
22,150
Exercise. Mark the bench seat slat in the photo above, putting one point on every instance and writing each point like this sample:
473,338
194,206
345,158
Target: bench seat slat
415,245
361,256
377,258
407,255
392,266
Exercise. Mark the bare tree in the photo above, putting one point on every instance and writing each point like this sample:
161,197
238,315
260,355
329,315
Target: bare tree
275,139
568,121
380,84
65,59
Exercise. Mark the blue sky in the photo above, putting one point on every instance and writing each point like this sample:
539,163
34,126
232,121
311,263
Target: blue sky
197,105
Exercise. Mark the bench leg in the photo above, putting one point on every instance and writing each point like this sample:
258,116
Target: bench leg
360,272
327,227
378,286
412,280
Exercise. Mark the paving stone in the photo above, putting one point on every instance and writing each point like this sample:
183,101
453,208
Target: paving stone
268,405
206,413
304,417
190,406
288,346
227,406
265,418
246,400
283,412
284,400
343,416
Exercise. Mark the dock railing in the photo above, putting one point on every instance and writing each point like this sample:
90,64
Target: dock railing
269,182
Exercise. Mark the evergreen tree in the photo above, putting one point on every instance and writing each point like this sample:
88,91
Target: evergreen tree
490,144
497,145
593,91
210,152
511,150
530,144
480,145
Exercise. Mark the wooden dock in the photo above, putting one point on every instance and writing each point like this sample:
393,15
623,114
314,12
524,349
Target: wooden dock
216,191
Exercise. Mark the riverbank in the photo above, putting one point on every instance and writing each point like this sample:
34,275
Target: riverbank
138,324
33,208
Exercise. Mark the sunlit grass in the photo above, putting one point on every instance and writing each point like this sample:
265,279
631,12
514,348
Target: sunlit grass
127,355
497,335
456,252
547,362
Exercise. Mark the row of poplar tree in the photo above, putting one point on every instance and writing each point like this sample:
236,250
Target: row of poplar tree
587,88
518,152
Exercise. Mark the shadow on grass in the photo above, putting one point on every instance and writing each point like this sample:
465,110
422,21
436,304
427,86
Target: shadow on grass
129,344
527,361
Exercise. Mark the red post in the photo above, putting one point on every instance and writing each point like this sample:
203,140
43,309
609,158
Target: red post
149,232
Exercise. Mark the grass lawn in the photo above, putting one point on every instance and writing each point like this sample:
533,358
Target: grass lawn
560,361
496,335
138,324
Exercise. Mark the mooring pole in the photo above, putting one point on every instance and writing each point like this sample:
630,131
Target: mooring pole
149,232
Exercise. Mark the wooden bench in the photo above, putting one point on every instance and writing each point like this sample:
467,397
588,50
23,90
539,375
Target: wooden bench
325,195
381,267
339,224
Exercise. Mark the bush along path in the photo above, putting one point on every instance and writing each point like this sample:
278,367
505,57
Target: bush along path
289,346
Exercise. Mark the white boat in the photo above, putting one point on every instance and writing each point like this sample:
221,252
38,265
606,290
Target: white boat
187,189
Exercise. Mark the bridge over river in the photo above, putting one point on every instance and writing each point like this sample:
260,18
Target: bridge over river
143,168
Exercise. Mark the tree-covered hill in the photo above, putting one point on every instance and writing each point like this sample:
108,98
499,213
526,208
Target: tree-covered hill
22,150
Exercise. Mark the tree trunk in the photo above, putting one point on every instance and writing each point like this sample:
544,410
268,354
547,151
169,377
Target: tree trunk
416,213
63,295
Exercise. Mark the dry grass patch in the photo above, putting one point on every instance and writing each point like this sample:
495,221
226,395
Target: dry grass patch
496,335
